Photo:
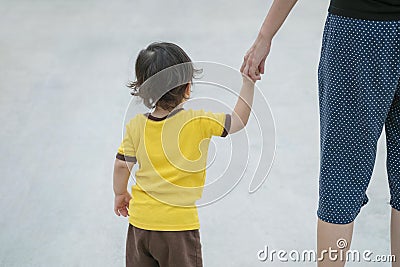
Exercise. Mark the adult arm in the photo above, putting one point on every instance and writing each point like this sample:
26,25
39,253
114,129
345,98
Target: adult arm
254,60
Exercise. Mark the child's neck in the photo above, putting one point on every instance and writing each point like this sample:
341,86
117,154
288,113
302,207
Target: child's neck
159,112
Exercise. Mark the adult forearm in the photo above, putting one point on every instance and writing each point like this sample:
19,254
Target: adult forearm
254,60
277,14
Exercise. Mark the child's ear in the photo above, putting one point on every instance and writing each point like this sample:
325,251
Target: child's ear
187,90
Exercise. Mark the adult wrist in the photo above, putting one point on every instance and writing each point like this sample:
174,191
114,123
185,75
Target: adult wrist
265,37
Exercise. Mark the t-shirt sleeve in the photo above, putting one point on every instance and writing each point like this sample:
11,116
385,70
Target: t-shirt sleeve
127,149
214,124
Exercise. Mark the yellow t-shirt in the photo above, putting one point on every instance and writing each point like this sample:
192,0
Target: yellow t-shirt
172,157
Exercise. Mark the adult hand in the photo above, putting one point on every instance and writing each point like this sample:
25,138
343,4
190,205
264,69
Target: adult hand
254,61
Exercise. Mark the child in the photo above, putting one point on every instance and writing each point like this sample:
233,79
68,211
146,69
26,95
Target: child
170,145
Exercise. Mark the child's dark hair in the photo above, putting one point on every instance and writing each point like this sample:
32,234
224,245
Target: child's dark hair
167,89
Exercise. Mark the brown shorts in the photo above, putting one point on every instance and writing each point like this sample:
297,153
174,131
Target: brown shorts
145,248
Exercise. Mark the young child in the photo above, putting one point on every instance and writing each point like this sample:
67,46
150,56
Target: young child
170,145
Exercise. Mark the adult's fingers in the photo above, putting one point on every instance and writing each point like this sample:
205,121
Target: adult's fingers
261,67
244,62
246,69
242,67
253,73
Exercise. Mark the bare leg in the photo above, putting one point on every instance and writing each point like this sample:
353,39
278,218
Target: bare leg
395,236
328,235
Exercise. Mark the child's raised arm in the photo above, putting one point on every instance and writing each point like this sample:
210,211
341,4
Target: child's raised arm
241,113
122,171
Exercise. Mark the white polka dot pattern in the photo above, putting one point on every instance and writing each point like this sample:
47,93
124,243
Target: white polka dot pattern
359,94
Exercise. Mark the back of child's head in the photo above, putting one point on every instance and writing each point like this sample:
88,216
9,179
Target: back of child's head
167,88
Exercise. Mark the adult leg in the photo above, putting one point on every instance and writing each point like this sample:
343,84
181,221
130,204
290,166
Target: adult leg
392,128
329,235
357,83
395,236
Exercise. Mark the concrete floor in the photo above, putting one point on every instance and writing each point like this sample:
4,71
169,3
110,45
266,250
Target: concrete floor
63,67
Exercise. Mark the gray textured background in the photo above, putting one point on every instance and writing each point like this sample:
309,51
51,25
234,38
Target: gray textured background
63,66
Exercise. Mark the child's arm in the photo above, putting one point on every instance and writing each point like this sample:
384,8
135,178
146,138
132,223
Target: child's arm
241,113
122,171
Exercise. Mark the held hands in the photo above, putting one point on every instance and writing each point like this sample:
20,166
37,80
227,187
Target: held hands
254,60
121,204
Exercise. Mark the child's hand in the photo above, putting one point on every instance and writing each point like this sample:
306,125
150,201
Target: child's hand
121,204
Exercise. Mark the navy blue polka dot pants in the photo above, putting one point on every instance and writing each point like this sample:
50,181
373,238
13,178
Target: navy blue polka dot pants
359,95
